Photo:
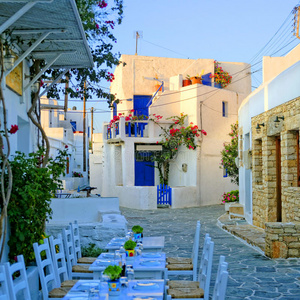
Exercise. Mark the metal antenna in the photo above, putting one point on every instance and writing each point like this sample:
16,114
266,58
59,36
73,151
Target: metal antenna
138,34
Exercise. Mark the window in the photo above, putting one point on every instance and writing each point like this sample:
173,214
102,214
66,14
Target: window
224,109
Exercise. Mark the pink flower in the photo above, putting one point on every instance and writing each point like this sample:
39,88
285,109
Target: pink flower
13,129
97,26
204,132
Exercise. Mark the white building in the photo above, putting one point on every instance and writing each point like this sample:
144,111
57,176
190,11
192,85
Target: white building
67,130
195,176
269,151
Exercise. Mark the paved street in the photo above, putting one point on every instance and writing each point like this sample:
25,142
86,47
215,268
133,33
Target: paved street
252,275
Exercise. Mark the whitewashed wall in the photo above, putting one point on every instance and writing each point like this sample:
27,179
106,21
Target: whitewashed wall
278,90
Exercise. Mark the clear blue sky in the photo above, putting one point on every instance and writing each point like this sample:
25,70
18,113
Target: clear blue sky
231,30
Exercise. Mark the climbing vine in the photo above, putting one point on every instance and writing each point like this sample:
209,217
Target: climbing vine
229,154
172,138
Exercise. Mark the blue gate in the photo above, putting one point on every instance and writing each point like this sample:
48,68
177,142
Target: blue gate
164,195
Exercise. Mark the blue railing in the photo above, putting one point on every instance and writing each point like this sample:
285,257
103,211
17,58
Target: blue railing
132,129
160,87
164,195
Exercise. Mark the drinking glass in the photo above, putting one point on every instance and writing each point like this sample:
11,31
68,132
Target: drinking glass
94,294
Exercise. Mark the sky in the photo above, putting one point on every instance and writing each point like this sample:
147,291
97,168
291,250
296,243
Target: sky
231,30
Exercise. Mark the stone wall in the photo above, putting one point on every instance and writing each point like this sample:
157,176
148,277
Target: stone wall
276,200
282,239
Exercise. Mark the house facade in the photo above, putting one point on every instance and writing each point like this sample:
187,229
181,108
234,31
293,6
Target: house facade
269,121
195,177
66,130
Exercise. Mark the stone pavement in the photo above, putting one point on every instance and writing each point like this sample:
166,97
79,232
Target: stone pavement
252,276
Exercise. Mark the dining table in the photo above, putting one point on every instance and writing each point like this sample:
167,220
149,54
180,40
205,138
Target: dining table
146,265
133,290
150,243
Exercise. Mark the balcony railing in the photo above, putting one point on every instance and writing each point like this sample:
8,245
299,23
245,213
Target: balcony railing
133,129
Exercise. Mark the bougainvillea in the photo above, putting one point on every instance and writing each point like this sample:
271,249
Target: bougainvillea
172,138
229,154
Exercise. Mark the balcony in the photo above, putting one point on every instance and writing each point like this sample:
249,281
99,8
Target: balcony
122,130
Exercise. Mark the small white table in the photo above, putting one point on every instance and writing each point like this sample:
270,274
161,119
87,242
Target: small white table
151,265
135,289
150,243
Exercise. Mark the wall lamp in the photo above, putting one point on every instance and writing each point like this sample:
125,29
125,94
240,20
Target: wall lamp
9,61
277,121
258,127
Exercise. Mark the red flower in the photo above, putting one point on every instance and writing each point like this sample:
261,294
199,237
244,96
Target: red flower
66,146
110,23
97,26
102,4
204,132
13,129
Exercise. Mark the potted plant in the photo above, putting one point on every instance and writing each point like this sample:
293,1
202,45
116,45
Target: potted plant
221,77
129,247
137,232
187,81
229,198
114,274
196,79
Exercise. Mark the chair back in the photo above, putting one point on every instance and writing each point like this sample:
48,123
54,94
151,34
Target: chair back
221,280
19,286
69,249
76,239
45,267
206,266
4,292
195,252
58,258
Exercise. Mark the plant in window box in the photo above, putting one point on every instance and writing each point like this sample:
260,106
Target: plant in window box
129,247
114,274
137,232
197,78
221,77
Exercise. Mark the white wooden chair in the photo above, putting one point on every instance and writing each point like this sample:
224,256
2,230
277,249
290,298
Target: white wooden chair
50,287
186,266
4,292
59,262
221,280
77,246
74,270
18,287
184,289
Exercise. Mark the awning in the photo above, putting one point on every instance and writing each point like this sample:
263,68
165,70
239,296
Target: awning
54,25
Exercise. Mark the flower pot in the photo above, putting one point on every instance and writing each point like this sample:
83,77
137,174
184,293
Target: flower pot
130,253
137,236
156,87
227,204
196,80
186,82
218,85
114,287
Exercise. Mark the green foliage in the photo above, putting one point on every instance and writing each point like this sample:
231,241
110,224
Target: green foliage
137,229
29,206
129,245
113,272
232,196
91,250
229,153
98,22
176,135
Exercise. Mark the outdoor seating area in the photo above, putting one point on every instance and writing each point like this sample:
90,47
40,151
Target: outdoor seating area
146,273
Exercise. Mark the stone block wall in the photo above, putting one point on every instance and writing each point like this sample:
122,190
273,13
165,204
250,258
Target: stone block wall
282,240
266,190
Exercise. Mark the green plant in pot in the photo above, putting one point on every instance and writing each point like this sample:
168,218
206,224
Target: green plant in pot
114,274
137,231
129,247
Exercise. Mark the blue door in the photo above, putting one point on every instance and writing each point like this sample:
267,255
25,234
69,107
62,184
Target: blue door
144,169
140,105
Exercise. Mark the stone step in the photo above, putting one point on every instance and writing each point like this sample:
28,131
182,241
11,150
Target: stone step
236,211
